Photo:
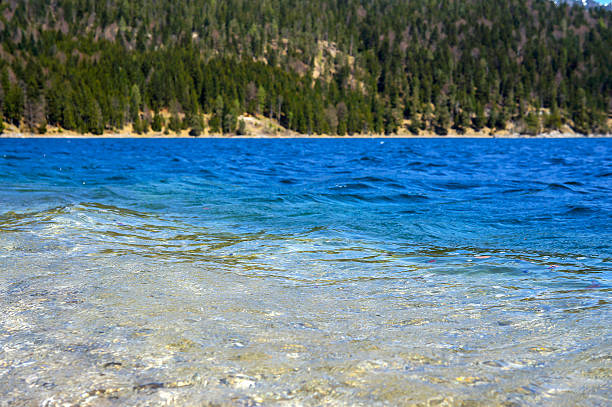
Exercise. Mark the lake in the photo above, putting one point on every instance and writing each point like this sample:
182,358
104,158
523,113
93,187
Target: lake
306,272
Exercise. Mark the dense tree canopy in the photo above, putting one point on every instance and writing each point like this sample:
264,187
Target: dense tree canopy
316,66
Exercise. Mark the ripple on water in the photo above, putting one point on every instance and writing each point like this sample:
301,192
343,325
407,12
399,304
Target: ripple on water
413,272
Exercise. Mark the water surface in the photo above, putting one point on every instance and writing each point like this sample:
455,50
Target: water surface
305,272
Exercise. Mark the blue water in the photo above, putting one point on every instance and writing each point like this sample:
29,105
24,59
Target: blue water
478,270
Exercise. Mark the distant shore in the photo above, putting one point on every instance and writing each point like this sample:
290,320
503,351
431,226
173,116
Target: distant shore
71,135
264,127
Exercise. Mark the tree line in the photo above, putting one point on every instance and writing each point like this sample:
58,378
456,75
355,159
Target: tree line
315,66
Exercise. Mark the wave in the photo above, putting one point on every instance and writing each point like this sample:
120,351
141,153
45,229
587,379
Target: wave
14,157
365,198
579,210
16,221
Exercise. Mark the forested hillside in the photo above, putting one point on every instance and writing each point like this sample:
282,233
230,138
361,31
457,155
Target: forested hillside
316,66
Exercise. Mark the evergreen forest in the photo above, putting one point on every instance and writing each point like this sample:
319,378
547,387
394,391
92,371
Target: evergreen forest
312,66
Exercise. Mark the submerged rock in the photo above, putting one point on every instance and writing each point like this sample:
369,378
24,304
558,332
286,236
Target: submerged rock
238,381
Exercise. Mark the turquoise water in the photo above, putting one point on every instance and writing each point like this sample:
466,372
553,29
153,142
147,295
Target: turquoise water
305,272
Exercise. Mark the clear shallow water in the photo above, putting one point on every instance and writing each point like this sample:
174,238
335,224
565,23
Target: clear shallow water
305,272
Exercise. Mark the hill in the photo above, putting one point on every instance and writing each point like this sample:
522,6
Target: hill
313,66
587,3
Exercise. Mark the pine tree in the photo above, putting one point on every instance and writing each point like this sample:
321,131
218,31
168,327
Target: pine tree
553,120
135,102
196,125
137,126
261,99
501,120
442,121
14,105
174,124
216,120
68,120
342,115
478,122
532,123
158,122
580,114
461,120
96,125
230,117
241,128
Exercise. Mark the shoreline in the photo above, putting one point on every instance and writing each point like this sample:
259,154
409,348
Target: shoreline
553,135
260,127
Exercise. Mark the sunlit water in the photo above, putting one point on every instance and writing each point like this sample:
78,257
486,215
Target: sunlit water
305,272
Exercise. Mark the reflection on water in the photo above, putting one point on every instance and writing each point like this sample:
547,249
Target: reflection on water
323,274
